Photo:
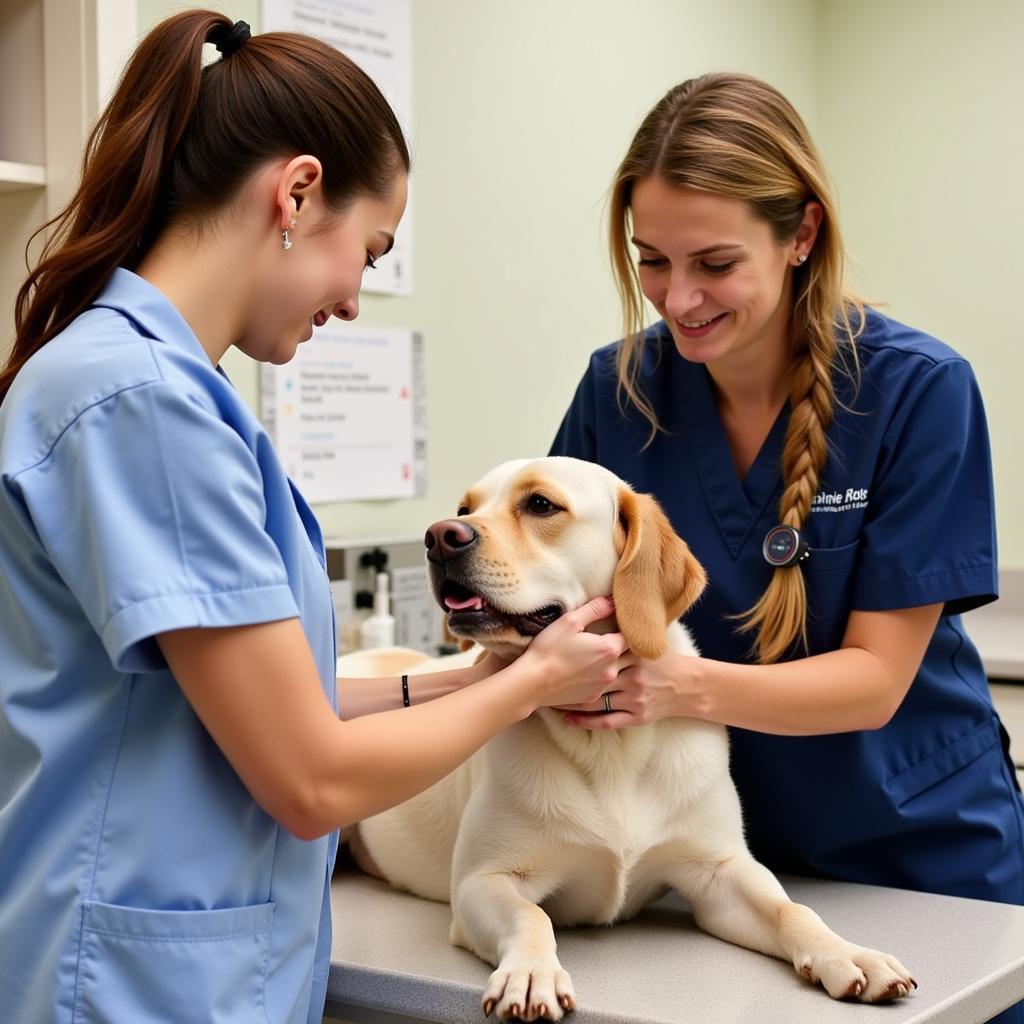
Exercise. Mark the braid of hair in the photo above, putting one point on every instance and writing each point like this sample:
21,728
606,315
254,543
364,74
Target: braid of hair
780,615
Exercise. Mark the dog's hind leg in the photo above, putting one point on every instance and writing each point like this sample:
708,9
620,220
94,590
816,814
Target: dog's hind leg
497,917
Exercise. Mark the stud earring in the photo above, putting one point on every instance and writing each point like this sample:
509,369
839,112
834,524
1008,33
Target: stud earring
802,258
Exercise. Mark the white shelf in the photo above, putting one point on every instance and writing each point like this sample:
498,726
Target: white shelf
15,177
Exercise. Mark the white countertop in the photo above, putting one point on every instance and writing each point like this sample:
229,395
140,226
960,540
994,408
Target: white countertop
998,629
392,962
999,637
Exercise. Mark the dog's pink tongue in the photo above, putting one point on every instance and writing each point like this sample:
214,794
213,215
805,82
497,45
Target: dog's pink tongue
476,601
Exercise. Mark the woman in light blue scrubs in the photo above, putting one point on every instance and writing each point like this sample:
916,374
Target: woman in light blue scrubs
172,763
830,468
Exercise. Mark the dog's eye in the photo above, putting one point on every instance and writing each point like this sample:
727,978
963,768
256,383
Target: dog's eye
463,510
540,506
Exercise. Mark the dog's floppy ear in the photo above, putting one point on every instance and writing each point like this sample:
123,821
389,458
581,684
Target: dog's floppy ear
657,577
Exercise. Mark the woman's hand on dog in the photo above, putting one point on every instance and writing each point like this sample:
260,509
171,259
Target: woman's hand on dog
643,692
572,665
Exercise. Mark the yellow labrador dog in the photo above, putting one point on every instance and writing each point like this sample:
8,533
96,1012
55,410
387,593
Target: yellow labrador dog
552,825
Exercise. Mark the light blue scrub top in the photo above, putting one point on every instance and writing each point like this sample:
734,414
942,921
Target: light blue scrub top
139,880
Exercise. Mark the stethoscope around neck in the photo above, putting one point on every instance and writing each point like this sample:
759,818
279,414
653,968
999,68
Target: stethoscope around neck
784,547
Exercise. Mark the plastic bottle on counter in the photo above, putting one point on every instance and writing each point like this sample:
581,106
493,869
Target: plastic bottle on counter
378,629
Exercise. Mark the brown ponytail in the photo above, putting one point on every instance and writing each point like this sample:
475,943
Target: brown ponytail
737,136
178,140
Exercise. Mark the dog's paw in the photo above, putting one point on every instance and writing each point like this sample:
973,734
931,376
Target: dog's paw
529,990
858,973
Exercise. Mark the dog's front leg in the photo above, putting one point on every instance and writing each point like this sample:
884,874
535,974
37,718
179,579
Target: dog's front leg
495,915
740,900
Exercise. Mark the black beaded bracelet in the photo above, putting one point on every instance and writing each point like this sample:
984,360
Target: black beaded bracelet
405,691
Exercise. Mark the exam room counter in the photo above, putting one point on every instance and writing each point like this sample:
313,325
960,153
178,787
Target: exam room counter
998,631
391,960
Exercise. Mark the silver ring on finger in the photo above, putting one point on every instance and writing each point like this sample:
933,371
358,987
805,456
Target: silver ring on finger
608,709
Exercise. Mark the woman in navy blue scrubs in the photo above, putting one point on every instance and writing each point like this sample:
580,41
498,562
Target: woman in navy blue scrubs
173,768
865,745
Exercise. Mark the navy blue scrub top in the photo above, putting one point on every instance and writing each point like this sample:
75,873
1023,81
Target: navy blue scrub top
904,517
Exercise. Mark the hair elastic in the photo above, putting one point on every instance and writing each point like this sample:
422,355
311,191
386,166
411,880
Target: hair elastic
233,40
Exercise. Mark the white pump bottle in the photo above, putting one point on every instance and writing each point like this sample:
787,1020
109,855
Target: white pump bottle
378,629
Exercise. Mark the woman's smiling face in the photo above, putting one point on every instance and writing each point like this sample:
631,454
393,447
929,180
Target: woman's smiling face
713,270
321,274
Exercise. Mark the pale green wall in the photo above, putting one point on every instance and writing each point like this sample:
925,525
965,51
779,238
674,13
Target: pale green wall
922,125
522,110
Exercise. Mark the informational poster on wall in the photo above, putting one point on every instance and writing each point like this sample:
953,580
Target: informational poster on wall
377,35
348,414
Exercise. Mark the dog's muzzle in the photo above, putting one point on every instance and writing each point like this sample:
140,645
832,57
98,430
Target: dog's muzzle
460,594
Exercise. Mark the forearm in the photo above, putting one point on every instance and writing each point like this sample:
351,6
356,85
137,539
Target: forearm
859,686
841,691
358,697
424,743
257,692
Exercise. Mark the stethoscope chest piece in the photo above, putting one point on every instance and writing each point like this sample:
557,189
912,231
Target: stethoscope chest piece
784,547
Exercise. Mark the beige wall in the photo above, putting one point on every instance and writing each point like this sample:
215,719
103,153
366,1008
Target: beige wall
522,110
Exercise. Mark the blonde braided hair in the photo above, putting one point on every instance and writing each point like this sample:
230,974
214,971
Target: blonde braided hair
737,136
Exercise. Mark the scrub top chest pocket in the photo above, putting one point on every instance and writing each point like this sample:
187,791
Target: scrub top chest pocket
828,577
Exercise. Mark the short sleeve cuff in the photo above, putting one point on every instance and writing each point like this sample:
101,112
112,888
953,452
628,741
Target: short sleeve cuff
128,636
959,590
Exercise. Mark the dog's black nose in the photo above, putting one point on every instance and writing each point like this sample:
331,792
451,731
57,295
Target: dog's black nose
448,538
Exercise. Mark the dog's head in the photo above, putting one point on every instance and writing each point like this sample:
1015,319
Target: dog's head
537,537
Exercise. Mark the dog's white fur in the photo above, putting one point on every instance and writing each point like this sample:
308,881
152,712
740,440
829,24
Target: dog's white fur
553,824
